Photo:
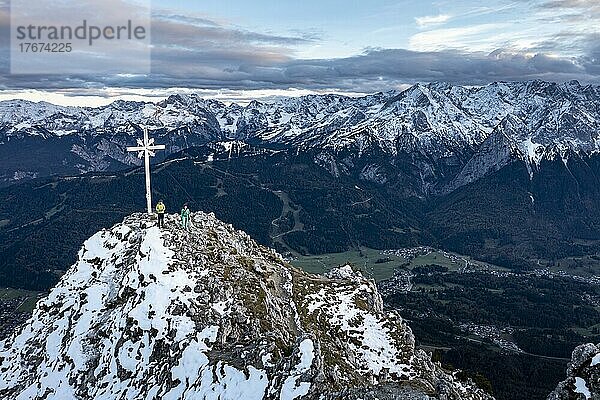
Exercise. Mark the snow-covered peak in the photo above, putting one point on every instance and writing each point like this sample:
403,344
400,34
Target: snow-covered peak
440,115
442,123
207,313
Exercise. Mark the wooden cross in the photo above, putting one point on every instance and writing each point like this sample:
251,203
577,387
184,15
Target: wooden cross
146,150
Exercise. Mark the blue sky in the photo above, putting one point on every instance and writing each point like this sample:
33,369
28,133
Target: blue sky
244,49
345,28
340,28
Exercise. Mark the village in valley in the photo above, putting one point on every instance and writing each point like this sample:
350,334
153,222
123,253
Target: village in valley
15,308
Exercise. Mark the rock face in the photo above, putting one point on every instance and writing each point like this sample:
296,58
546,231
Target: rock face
583,375
209,314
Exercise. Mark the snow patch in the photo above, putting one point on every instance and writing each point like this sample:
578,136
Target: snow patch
221,307
291,388
581,387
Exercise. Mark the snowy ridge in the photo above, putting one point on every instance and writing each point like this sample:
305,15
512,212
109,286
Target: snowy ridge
25,117
438,116
209,314
437,124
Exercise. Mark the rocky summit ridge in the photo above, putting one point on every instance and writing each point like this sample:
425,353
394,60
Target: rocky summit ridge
209,314
583,375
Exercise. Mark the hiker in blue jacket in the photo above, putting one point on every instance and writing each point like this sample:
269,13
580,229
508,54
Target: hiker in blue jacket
185,217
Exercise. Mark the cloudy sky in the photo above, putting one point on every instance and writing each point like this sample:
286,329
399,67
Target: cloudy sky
240,49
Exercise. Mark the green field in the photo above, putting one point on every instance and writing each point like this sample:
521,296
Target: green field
453,262
366,259
582,266
30,298
363,259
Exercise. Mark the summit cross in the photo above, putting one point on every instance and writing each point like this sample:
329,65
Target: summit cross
146,150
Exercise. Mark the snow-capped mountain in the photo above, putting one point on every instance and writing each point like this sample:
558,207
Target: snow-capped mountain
208,314
41,139
444,135
20,118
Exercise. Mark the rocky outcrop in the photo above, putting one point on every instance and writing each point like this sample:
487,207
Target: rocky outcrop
207,313
583,375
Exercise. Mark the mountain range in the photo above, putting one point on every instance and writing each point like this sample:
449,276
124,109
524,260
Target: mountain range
441,136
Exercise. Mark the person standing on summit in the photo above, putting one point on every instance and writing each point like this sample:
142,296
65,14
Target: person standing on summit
185,217
160,210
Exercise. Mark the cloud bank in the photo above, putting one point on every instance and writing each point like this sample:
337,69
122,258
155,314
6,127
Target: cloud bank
191,51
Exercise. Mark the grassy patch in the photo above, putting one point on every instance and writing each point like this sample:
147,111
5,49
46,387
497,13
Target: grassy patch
582,266
373,264
28,305
452,261
365,259
10,293
30,298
